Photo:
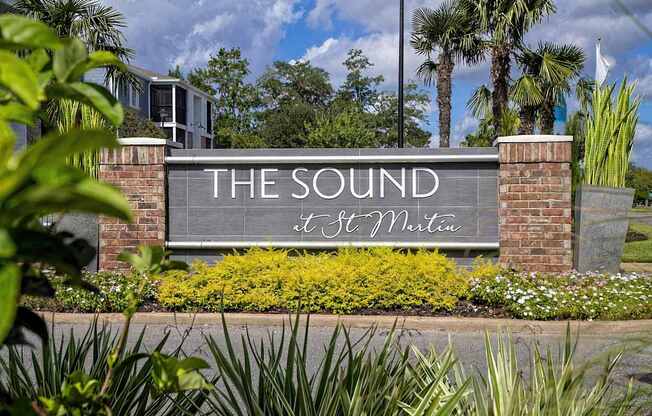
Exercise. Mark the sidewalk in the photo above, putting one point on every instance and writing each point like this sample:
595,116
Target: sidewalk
636,267
441,324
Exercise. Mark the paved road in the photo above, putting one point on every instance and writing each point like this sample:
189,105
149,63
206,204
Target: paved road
467,336
645,218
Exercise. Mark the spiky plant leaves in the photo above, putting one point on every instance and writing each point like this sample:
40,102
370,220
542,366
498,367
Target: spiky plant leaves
610,133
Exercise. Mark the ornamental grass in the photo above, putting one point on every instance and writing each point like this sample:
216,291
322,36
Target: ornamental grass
610,132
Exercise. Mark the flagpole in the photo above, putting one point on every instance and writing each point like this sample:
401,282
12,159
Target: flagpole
401,121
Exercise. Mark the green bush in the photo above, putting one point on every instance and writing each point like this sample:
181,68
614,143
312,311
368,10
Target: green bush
344,282
111,294
569,296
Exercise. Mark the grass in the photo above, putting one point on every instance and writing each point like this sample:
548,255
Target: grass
639,251
642,210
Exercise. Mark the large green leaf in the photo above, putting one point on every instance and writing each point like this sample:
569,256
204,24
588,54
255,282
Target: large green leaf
21,32
50,152
66,59
66,190
96,59
93,95
19,78
16,112
40,246
7,246
9,297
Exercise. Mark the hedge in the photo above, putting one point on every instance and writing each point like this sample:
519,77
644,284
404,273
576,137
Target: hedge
342,282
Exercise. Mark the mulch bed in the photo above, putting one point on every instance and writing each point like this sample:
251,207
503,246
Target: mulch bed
463,309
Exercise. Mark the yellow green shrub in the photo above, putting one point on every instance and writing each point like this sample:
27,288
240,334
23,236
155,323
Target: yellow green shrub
342,282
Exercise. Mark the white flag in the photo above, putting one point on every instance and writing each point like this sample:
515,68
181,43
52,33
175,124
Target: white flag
601,65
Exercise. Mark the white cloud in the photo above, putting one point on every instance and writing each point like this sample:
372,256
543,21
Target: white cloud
467,125
212,26
643,146
165,33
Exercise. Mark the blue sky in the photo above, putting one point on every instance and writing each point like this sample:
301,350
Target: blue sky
185,32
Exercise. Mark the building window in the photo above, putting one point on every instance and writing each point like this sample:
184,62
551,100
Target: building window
206,143
134,96
209,117
181,138
181,96
161,105
168,132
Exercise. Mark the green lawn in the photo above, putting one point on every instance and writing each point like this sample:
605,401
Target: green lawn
639,251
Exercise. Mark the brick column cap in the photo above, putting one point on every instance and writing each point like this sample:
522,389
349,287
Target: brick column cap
148,141
533,138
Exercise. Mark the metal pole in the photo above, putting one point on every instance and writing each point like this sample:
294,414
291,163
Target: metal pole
401,121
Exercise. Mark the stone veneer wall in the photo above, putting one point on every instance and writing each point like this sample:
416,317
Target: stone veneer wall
535,203
138,169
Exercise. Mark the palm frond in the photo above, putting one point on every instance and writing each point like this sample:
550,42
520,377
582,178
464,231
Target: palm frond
480,102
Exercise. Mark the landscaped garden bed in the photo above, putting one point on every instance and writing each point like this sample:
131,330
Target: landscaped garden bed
375,281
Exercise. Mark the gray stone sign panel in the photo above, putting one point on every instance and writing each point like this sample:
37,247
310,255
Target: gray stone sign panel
328,198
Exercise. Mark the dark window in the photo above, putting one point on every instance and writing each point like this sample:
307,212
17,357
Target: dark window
181,138
209,116
168,132
206,143
161,106
181,105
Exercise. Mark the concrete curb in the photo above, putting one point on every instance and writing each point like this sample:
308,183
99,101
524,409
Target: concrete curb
444,324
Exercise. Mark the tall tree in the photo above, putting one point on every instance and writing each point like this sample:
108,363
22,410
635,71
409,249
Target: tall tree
225,77
359,87
445,36
548,72
505,22
292,96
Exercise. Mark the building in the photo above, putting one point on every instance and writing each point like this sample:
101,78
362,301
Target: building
182,111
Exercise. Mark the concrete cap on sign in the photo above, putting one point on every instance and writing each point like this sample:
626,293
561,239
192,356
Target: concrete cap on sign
148,141
534,138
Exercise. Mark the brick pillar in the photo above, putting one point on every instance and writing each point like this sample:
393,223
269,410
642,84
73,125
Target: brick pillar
138,169
535,203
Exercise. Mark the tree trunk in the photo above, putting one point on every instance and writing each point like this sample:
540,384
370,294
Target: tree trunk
444,92
548,117
528,119
500,67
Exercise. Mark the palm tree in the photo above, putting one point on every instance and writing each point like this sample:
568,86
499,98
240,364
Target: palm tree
547,75
98,26
445,36
505,22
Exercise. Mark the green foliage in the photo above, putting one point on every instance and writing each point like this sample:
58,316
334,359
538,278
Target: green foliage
570,296
36,181
346,127
67,374
610,132
110,294
548,72
359,88
639,251
445,36
172,375
639,179
354,378
347,281
151,260
98,26
135,125
225,77
295,105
